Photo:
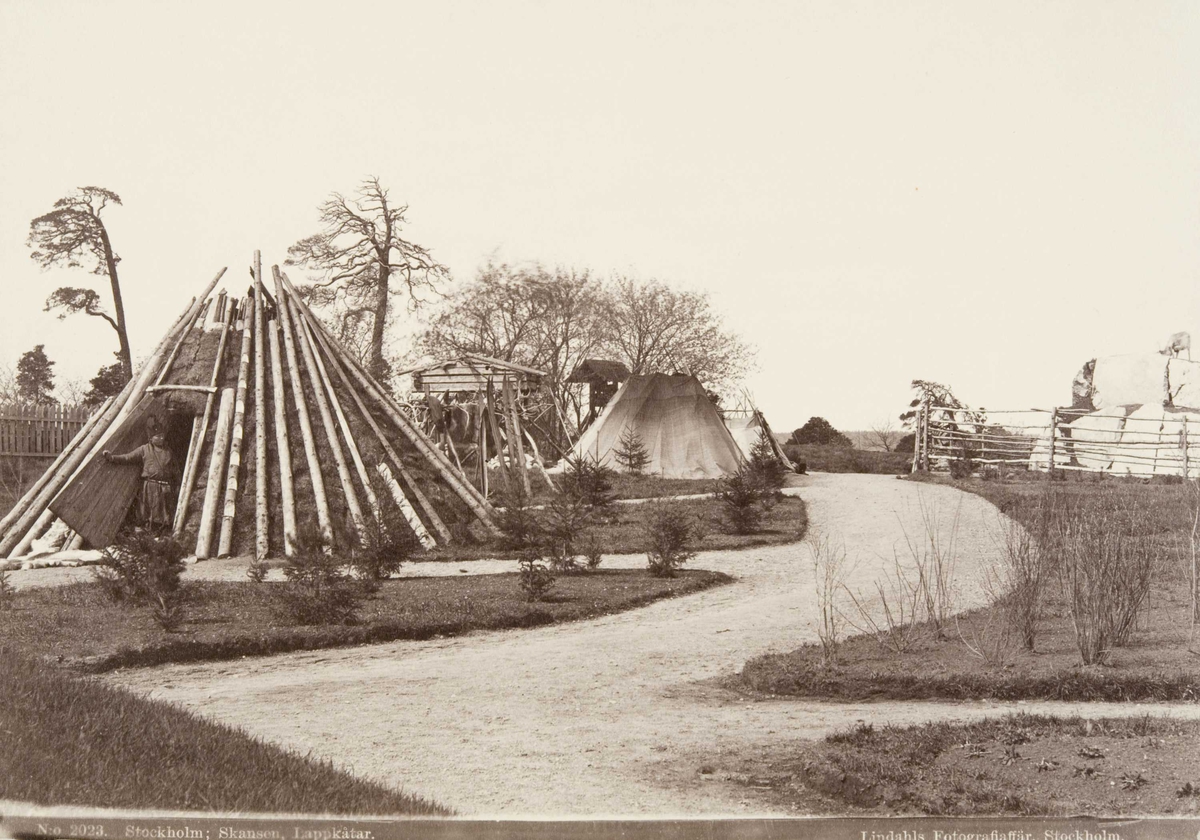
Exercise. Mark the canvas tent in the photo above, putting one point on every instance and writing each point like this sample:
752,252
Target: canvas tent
1139,440
276,431
1137,379
748,426
678,424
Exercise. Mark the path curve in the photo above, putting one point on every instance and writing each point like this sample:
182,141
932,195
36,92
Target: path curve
605,717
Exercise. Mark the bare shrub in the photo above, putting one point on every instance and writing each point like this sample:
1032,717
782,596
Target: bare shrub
1106,569
992,641
257,571
1022,581
934,556
901,597
830,569
670,532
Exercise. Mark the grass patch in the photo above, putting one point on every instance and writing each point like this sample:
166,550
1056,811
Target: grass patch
1016,765
1159,662
78,626
622,532
71,741
840,459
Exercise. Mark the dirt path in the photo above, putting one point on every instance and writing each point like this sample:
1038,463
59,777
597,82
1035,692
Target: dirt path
602,717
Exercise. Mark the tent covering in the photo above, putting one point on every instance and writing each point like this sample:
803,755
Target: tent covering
747,427
678,424
1145,379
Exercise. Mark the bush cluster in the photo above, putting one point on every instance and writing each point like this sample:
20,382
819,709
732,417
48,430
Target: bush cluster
671,534
754,489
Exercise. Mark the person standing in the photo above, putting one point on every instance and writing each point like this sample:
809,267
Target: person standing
155,499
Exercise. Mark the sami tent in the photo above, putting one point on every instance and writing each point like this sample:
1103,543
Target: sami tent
676,421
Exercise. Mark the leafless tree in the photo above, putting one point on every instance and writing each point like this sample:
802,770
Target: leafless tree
361,262
655,328
884,434
74,234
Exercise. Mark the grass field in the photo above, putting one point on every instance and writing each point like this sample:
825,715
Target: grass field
1016,765
623,530
78,626
839,459
71,741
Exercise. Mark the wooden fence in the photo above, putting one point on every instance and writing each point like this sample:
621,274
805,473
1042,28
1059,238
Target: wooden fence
38,431
1142,441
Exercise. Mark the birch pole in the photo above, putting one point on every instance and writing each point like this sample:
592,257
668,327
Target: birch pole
225,542
261,521
216,471
306,434
463,488
415,489
190,468
281,441
495,429
331,435
355,457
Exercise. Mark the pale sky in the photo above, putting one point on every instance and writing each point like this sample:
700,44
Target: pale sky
984,194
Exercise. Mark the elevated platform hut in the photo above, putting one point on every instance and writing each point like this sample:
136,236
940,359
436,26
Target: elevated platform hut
487,414
602,378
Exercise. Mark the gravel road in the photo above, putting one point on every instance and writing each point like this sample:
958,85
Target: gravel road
608,717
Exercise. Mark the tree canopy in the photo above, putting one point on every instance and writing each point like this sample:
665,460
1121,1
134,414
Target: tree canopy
360,262
73,234
107,382
821,432
554,318
35,377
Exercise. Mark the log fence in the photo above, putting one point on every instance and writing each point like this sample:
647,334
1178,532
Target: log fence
1142,444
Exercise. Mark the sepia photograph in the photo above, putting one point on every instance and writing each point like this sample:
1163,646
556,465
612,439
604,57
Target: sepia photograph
647,419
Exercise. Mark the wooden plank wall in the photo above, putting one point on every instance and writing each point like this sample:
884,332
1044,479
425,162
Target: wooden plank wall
38,431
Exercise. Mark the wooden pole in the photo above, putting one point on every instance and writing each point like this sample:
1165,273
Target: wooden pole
92,445
261,520
516,446
444,468
216,472
281,441
495,430
1183,436
39,527
225,542
1053,438
355,457
430,513
331,435
166,368
193,465
306,433
410,515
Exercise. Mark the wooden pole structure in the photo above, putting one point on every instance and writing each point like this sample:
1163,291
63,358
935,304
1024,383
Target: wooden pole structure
225,542
193,465
306,433
281,441
331,435
1183,436
261,518
355,457
216,472
430,513
166,368
462,488
92,445
515,444
495,430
